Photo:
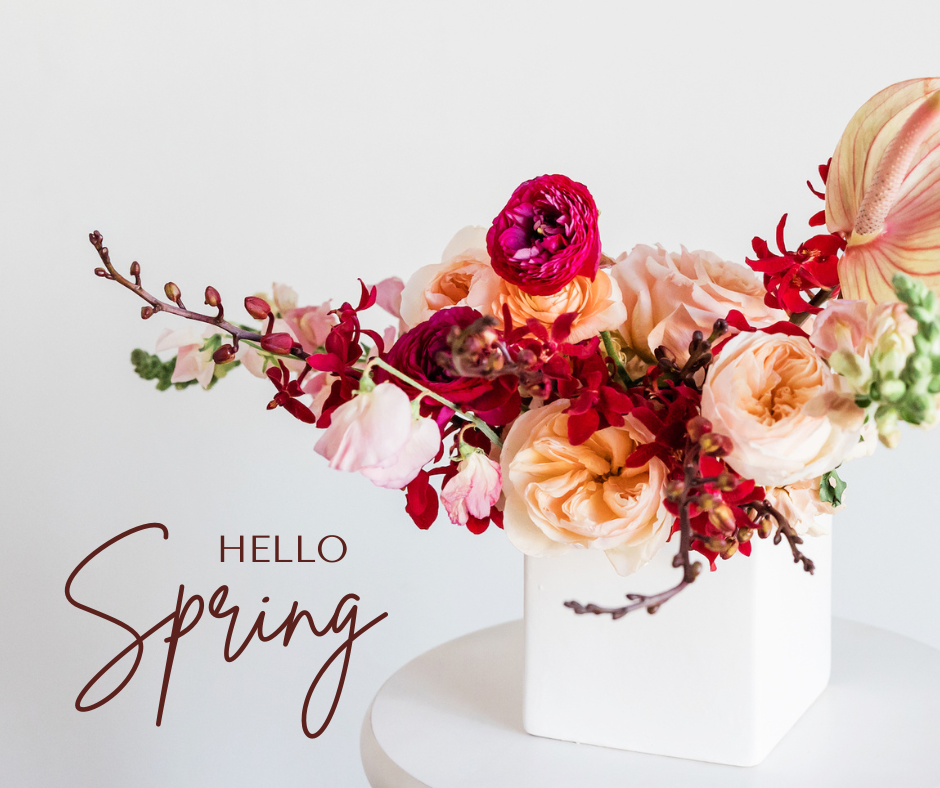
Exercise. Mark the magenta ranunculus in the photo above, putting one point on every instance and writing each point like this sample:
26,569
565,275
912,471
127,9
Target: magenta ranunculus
546,235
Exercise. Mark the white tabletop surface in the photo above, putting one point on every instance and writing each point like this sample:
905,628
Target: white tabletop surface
452,718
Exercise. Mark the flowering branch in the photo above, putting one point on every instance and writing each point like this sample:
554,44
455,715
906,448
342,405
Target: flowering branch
693,483
765,510
173,292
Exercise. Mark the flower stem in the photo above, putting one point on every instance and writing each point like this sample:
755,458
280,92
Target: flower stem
476,420
817,300
615,356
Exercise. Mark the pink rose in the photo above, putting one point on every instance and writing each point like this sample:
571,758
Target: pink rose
598,303
670,295
474,490
561,497
546,235
464,277
782,407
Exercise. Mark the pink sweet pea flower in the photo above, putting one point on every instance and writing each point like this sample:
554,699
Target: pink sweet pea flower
474,490
421,447
193,363
377,434
388,295
369,431
310,325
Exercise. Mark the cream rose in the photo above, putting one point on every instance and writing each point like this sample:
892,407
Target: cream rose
669,295
561,497
599,305
464,277
782,407
800,504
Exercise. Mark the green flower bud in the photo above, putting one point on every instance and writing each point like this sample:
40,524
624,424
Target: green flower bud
893,390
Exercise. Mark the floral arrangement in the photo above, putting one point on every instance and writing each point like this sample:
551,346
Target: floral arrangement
582,401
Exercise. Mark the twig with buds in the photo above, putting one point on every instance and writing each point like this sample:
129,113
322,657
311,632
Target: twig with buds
764,511
279,344
691,487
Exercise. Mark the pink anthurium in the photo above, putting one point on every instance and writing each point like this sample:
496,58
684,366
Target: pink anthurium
883,191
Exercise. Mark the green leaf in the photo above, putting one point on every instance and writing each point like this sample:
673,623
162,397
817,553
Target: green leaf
831,488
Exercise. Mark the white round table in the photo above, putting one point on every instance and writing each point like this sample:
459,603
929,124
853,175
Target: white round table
453,718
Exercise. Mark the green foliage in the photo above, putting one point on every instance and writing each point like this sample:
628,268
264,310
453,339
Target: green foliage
831,488
151,367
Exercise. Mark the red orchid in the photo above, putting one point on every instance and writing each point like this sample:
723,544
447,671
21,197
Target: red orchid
287,393
790,276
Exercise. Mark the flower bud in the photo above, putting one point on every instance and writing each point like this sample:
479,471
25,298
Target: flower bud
716,445
224,354
258,308
697,427
146,312
212,296
172,291
674,490
726,481
893,390
729,550
722,517
135,269
745,534
764,527
280,344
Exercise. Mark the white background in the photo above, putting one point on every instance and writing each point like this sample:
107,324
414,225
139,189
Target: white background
235,143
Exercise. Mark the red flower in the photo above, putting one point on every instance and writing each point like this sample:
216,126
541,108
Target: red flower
546,235
418,354
789,276
287,393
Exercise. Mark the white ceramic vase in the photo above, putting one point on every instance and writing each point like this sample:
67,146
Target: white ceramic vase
720,673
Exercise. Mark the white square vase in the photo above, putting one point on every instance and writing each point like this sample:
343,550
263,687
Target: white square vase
720,673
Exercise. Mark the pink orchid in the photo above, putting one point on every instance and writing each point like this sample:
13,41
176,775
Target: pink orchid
285,297
473,490
883,191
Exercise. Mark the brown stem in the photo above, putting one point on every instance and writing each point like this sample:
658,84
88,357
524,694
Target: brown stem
799,318
157,305
690,570
784,529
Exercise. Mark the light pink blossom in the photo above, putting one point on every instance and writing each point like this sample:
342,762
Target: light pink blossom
192,362
421,447
474,490
311,325
369,431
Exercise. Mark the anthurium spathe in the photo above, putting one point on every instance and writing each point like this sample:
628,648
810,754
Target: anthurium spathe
883,191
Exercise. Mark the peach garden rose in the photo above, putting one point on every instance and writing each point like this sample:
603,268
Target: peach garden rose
669,295
783,408
464,277
561,497
599,305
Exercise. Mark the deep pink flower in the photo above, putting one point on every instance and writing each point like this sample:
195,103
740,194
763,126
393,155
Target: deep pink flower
417,354
546,235
473,490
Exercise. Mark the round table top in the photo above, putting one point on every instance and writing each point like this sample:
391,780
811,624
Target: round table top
453,718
